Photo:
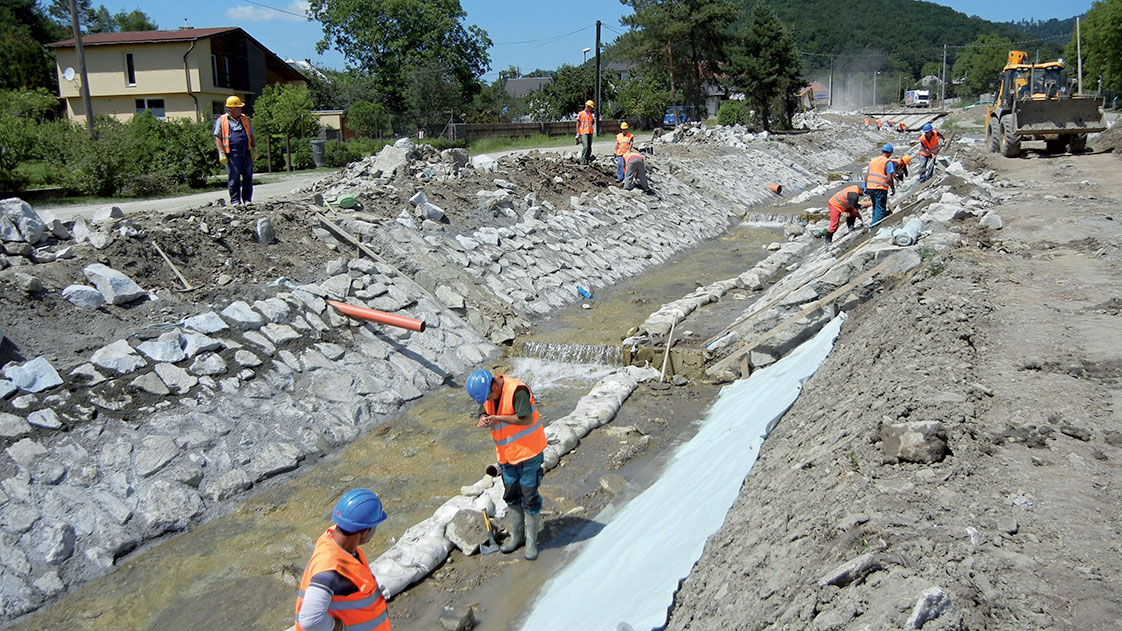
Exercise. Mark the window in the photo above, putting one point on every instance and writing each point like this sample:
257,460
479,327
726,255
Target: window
156,106
130,70
220,71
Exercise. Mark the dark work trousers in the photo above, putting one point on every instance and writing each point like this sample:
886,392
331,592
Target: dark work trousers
522,481
239,169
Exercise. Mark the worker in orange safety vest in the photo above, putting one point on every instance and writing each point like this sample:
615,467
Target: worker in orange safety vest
233,136
635,172
586,127
337,590
879,180
845,202
929,140
901,167
624,142
507,408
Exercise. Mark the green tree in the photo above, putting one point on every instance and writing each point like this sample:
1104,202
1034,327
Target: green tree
285,110
393,39
1102,46
766,67
21,114
977,67
368,119
100,20
687,38
643,98
26,64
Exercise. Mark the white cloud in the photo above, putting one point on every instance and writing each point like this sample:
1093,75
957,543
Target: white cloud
256,13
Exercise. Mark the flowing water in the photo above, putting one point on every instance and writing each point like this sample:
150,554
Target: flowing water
239,571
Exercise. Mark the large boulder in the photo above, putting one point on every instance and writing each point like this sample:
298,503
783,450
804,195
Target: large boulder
36,375
30,226
921,442
117,288
391,161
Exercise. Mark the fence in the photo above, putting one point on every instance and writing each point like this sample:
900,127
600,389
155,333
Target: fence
475,131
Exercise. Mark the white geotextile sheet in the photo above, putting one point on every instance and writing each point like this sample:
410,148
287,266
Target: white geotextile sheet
629,571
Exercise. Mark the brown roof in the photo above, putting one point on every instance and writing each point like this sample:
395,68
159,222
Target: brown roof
145,37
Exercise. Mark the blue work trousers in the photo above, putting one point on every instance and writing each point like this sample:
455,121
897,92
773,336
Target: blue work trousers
521,481
239,170
880,204
619,168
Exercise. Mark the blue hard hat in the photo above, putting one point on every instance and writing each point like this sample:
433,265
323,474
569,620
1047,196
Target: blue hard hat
478,385
927,127
862,185
358,510
887,147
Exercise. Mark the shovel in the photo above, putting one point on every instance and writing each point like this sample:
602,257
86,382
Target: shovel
490,546
186,285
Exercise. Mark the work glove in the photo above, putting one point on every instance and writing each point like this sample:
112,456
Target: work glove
222,159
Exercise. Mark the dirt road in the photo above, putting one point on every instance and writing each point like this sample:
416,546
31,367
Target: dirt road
1012,345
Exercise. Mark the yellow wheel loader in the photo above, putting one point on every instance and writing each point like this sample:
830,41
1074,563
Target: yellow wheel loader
1034,103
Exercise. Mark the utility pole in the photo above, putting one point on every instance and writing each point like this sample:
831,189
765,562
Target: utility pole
943,80
598,103
85,87
830,102
875,73
1079,54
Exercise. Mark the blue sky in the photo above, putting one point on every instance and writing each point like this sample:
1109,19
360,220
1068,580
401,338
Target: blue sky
528,34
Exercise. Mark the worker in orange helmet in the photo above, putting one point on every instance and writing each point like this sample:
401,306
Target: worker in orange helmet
586,127
901,167
845,202
624,142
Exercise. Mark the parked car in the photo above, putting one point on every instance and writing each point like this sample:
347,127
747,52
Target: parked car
678,114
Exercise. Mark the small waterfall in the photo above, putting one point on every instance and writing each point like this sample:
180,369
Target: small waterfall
611,355
770,219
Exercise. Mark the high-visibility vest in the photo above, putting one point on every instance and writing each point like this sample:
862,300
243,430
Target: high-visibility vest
877,178
840,200
364,609
515,443
623,142
585,123
929,143
631,156
866,121
225,118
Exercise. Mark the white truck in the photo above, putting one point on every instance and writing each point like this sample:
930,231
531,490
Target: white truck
917,98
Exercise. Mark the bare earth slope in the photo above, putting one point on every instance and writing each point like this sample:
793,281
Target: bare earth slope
1013,345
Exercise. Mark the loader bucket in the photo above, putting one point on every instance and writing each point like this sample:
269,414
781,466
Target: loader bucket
1062,116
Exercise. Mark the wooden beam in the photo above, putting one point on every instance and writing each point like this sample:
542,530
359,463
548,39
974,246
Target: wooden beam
814,306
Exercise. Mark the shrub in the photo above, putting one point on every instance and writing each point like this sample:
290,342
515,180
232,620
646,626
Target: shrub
733,113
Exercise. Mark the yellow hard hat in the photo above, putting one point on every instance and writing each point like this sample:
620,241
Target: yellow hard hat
589,104
623,125
234,101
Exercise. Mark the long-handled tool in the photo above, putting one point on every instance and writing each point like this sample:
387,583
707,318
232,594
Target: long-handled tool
491,545
186,285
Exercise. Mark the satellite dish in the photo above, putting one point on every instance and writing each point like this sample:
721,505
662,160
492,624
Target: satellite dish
68,74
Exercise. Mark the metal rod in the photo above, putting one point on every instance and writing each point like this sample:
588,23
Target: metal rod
666,355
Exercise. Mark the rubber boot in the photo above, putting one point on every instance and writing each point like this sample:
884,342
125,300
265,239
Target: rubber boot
829,237
533,524
517,526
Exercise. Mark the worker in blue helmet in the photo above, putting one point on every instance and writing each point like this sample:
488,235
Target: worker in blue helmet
337,590
930,142
508,410
880,181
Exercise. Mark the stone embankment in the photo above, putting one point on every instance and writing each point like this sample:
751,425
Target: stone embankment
175,410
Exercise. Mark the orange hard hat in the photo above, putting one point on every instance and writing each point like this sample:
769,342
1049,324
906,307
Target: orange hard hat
907,160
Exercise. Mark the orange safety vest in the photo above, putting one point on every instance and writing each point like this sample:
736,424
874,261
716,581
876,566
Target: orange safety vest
515,443
631,156
866,122
840,200
878,122
585,123
929,144
364,609
225,118
877,178
903,127
623,143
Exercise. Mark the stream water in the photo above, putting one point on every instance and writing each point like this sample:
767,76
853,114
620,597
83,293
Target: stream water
239,570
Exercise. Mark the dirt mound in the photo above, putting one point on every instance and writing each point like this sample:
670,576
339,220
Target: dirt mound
1109,140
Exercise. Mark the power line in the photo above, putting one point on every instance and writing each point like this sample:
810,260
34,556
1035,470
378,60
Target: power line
299,15
550,38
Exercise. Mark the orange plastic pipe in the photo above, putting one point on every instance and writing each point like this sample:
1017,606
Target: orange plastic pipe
775,188
381,317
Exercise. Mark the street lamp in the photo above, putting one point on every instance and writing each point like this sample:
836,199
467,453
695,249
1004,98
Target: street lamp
585,51
875,74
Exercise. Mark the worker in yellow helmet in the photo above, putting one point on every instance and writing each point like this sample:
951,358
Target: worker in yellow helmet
624,142
233,136
586,127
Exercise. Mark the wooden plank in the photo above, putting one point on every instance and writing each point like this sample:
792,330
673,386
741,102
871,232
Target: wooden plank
814,306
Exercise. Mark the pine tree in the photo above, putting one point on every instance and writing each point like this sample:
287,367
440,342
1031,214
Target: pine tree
767,67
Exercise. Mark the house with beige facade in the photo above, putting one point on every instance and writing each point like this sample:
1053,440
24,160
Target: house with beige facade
185,73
